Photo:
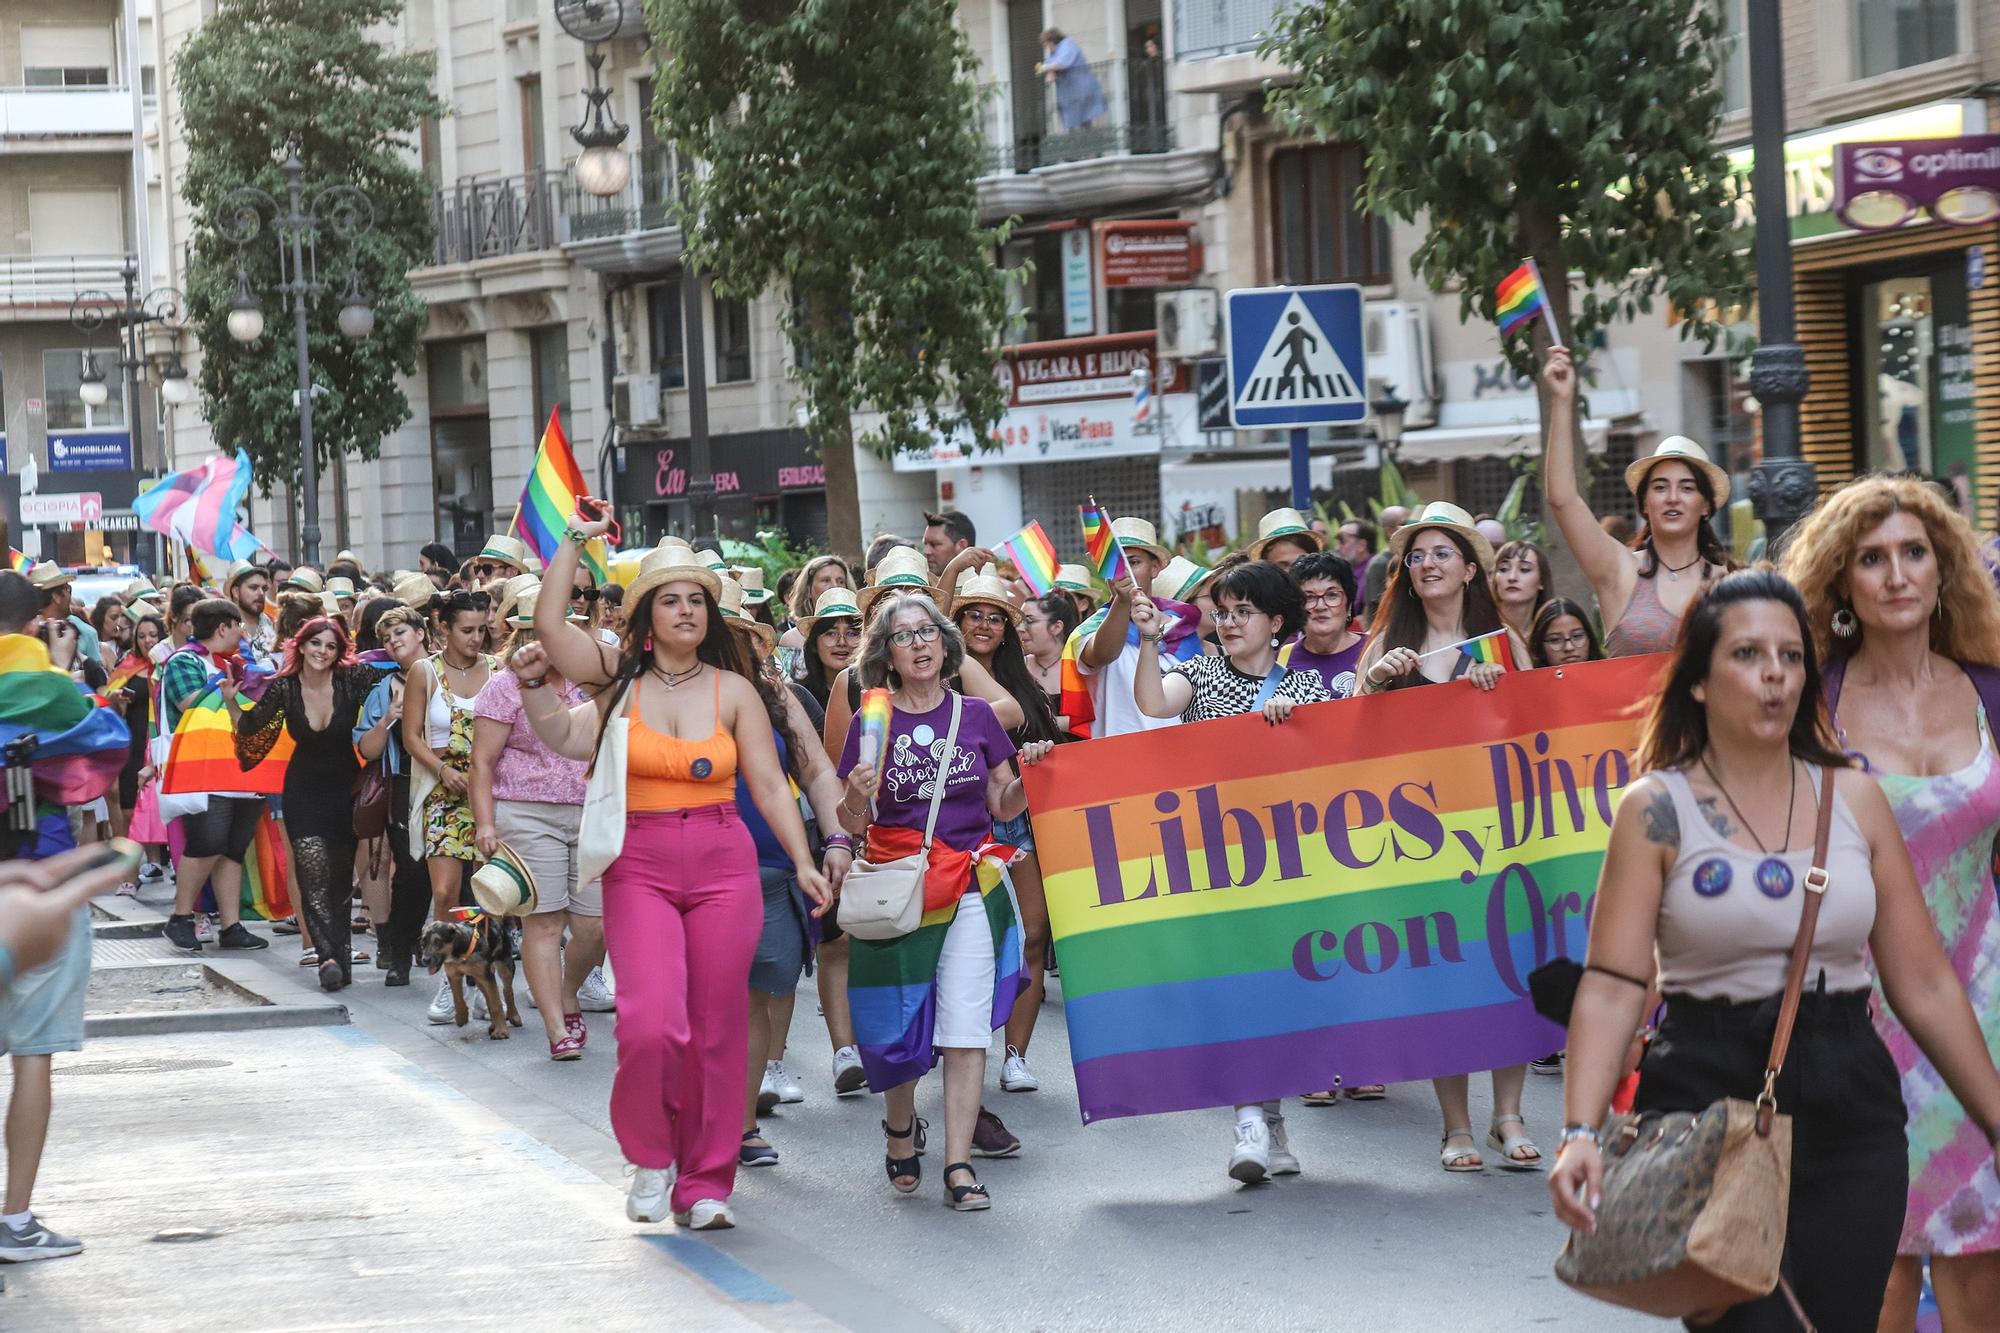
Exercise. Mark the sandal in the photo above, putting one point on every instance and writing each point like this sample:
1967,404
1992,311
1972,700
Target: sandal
289,926
566,1047
971,1198
1459,1160
1511,1144
909,1168
1327,1098
310,958
1367,1092
573,1025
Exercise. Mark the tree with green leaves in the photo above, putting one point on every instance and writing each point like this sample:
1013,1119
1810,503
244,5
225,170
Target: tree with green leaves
259,73
1582,136
839,151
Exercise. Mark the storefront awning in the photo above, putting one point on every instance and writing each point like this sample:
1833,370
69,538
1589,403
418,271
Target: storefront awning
1449,444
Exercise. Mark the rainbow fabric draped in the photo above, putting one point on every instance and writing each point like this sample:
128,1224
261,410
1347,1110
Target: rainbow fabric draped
1181,643
266,892
81,747
204,755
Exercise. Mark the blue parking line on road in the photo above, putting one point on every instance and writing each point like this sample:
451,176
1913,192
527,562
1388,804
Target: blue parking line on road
718,1269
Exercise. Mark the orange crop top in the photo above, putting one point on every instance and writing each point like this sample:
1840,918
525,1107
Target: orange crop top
668,773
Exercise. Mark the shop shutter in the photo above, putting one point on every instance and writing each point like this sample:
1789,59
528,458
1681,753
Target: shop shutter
1050,493
76,222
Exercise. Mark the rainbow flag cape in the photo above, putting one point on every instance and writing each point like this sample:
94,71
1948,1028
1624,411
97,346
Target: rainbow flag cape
122,674
1180,643
1490,650
1033,556
203,756
1520,298
199,507
18,562
549,498
80,747
1107,557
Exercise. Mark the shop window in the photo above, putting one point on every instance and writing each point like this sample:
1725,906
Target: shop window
1916,375
550,352
62,377
458,375
1896,34
663,325
732,340
1129,309
1318,231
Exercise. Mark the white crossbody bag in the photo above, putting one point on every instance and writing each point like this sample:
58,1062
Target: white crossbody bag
885,900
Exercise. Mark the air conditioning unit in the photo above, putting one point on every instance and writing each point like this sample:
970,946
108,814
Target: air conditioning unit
1186,324
1397,337
635,401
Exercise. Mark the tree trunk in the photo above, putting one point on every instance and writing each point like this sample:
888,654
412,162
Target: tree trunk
843,498
1541,238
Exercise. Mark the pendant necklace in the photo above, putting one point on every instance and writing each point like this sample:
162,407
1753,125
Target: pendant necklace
671,679
1774,877
1674,574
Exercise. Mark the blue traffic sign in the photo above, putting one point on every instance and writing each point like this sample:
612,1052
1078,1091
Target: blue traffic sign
1295,356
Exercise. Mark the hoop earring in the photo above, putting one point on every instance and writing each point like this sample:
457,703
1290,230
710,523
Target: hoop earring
1843,624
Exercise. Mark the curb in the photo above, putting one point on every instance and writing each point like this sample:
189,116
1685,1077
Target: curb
257,1018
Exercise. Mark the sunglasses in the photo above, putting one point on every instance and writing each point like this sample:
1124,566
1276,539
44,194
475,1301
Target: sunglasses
583,594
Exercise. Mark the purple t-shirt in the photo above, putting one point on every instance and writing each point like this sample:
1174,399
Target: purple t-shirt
916,741
1336,669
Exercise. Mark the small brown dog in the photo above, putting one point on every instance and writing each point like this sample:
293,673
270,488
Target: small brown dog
477,950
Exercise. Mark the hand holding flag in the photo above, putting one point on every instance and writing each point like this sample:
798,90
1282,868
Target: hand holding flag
1107,557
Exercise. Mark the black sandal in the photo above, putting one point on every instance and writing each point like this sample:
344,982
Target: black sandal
971,1198
912,1166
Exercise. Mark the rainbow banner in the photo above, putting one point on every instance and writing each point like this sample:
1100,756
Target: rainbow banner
1033,556
549,498
80,747
1360,893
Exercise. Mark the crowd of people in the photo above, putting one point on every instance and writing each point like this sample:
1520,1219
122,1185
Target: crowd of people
674,758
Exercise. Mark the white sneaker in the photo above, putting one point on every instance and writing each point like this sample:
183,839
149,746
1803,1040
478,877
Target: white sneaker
476,1004
646,1200
706,1215
442,1010
150,872
849,1077
779,1079
1282,1162
1015,1076
204,928
1251,1162
594,995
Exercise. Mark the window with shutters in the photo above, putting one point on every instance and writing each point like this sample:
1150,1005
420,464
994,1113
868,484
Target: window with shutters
1126,487
1318,231
62,55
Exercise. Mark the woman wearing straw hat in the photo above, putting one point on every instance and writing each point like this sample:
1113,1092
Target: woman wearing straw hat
820,575
1641,592
677,716
1439,595
531,798
830,633
1283,535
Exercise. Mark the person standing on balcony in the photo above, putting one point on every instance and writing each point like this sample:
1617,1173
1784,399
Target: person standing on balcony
1079,97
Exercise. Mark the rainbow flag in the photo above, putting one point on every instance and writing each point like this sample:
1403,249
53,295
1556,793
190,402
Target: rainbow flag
18,562
1107,557
873,715
80,748
1033,556
199,507
1520,298
1074,702
266,891
1392,868
121,675
1490,650
549,498
203,756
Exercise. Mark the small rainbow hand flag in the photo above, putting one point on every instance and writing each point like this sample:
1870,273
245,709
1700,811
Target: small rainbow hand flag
1490,650
1520,298
554,484
18,562
1033,556
1107,557
874,713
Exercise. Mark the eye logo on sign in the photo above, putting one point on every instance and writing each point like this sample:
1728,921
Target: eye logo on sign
1883,164
1882,185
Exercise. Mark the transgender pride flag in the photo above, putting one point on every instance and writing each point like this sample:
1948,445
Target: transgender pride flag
199,507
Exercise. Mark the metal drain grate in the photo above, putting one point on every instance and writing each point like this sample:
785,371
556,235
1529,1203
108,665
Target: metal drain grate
150,949
140,1066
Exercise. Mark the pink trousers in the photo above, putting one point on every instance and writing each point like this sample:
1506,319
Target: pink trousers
682,913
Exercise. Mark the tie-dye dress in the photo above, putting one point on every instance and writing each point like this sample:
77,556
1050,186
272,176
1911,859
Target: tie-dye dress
1950,822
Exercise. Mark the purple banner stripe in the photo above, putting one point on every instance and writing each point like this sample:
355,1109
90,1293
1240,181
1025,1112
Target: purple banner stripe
1394,1050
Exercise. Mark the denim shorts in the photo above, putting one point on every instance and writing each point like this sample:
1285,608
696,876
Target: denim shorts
1015,832
781,946
42,1012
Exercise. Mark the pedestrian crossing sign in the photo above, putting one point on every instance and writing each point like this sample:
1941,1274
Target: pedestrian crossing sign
1295,356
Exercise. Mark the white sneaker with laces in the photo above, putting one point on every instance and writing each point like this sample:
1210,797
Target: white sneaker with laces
849,1077
1282,1162
646,1200
781,1082
442,1010
706,1215
594,995
1015,1076
1251,1162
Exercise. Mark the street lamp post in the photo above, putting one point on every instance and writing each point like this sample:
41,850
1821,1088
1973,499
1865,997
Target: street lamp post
344,211
94,310
1783,484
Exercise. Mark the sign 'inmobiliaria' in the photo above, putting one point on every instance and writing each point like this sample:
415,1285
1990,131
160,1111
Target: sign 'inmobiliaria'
1883,185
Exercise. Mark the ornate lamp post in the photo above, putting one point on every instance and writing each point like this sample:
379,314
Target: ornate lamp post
93,311
297,224
604,168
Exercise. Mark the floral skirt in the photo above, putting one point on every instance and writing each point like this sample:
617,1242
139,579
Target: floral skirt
448,825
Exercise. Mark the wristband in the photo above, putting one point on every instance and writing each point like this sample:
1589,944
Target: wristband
1572,1132
839,842
572,534
536,683
1151,638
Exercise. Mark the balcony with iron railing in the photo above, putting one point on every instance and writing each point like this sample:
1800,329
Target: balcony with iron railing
645,204
491,219
95,111
1104,109
1204,29
33,285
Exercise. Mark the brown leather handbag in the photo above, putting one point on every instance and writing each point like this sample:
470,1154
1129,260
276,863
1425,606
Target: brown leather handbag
1693,1213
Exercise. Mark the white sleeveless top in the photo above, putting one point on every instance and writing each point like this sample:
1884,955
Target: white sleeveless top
1729,914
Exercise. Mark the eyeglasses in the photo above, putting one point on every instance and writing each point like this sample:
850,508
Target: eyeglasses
983,617
904,638
845,629
583,594
1240,616
1442,555
1331,597
1576,638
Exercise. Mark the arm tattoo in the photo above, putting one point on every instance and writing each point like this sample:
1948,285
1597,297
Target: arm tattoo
1663,826
1716,819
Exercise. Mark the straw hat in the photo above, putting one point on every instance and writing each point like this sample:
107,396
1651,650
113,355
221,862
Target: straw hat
1288,524
1681,449
1442,514
833,604
504,886
243,569
508,551
513,591
986,587
136,589
1138,534
1181,579
730,604
902,569
752,579
672,564
520,611
303,579
351,559
1075,578
413,589
46,574
329,605
340,587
